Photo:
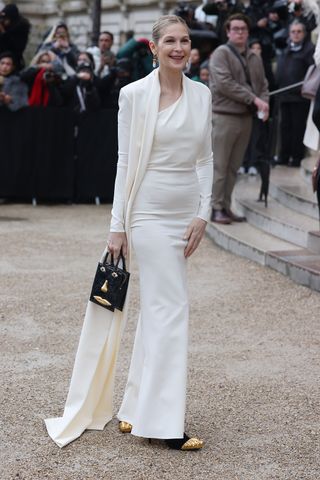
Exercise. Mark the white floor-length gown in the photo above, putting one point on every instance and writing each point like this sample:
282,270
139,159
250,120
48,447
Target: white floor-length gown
174,190
164,179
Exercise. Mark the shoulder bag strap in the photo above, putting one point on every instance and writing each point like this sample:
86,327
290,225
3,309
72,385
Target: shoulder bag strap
244,66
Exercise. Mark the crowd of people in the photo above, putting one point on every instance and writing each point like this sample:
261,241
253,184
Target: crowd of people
61,74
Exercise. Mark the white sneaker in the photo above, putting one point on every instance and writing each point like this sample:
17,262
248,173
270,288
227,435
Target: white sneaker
241,171
253,171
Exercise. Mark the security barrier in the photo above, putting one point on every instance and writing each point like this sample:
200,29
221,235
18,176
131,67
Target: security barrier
54,155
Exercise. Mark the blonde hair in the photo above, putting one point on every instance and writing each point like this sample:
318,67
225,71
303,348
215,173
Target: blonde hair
163,22
36,59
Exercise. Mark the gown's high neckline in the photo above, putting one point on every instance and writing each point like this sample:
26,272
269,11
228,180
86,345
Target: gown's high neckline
172,104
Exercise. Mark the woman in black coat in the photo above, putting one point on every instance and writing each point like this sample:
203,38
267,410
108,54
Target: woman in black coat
80,91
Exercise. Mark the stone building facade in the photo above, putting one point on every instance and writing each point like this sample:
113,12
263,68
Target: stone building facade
118,16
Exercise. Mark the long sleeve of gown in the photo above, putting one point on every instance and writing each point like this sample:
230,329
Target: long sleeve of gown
204,169
124,121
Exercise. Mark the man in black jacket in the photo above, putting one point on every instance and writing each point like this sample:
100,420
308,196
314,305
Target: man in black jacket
291,68
14,33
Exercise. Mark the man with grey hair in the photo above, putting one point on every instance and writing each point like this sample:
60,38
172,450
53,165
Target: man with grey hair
292,66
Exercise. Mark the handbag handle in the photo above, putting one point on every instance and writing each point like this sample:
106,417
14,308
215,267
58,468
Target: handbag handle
121,257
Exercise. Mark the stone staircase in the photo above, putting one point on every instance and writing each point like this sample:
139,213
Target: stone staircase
284,236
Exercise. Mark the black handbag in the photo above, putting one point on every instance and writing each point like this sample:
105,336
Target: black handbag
110,284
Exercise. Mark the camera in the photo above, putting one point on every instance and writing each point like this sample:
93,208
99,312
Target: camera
85,73
281,7
84,67
183,10
123,67
51,77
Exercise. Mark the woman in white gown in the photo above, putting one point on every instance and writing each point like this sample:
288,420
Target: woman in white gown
168,219
161,207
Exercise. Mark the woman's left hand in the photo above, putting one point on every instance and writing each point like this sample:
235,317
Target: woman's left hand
194,235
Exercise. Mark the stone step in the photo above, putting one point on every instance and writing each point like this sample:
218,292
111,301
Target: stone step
277,219
246,240
301,265
314,241
288,187
284,236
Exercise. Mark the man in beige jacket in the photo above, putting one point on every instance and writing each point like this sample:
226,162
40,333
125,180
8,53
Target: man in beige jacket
240,90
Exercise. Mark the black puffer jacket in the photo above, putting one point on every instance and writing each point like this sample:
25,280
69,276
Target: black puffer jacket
291,68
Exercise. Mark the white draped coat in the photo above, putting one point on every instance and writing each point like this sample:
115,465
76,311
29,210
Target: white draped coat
90,398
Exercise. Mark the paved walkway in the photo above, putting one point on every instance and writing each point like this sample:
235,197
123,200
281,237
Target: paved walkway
253,394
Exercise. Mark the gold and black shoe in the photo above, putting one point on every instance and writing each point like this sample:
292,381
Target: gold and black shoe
125,427
185,443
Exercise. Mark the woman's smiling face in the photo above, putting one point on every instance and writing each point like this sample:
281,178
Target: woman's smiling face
173,48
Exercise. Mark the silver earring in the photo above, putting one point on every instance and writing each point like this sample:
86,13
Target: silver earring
187,64
154,61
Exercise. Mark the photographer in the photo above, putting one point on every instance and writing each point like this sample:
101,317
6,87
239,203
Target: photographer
14,33
43,78
58,42
13,91
120,76
80,91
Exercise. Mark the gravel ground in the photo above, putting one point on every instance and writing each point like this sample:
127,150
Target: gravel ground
253,391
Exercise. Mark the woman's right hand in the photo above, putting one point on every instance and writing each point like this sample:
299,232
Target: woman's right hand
117,241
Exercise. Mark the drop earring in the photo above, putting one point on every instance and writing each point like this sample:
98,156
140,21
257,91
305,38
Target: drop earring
187,64
154,61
